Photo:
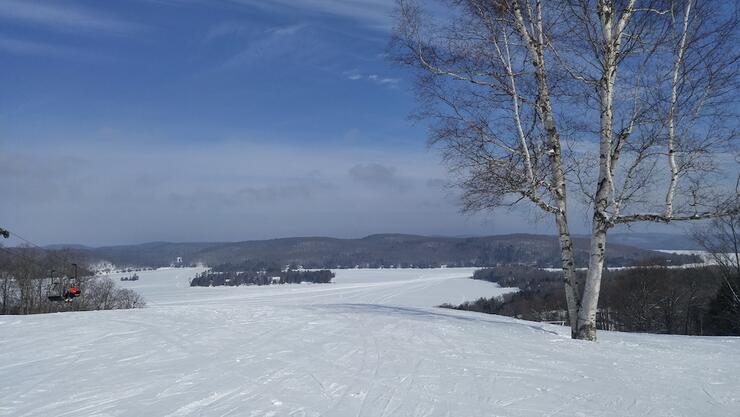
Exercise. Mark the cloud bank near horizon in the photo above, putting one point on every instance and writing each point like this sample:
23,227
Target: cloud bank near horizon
112,194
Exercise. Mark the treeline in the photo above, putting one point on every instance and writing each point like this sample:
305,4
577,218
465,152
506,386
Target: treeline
508,255
25,284
648,299
133,277
257,273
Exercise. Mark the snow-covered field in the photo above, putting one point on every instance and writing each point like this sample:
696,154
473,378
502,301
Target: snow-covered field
706,258
369,345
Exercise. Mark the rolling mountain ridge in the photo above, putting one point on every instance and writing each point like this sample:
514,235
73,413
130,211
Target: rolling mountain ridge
375,251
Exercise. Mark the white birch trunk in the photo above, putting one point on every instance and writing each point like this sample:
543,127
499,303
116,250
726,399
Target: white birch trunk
671,116
570,280
604,187
535,44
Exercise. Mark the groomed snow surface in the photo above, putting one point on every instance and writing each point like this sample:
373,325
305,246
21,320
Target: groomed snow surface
371,344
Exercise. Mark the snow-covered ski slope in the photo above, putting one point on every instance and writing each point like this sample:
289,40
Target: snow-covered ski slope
369,345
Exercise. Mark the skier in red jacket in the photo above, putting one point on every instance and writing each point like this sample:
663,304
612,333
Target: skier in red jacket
71,293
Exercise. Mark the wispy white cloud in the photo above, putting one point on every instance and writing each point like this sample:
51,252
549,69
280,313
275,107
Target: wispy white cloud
379,175
246,29
288,30
373,13
374,78
383,80
23,47
230,28
227,190
64,17
276,40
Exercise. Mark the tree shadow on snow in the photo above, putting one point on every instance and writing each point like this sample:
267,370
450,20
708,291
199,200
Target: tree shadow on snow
426,313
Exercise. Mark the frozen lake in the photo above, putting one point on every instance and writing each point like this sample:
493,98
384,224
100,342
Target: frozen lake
401,287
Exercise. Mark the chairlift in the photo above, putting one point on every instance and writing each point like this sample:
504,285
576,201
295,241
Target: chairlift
63,288
55,289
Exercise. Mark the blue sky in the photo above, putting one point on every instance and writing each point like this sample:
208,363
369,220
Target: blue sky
187,120
185,70
132,121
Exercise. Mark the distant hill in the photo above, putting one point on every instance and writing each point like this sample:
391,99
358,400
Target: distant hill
654,241
69,246
376,251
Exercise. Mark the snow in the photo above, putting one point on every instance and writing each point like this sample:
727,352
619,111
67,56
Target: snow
706,257
370,344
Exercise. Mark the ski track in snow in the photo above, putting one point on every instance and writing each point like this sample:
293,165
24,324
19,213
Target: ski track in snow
371,344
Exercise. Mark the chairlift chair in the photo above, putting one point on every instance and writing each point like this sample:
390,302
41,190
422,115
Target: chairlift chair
64,288
55,291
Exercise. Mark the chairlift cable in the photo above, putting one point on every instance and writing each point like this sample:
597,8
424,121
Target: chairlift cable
46,251
23,239
66,293
26,258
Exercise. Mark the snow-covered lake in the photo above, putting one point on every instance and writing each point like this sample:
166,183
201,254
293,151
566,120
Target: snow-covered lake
401,287
371,344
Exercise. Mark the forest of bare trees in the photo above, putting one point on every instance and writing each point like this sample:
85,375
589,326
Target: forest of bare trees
258,273
25,284
722,241
646,299
657,299
622,109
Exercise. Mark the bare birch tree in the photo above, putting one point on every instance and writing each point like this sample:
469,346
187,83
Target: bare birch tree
721,240
626,101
